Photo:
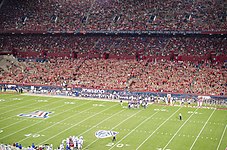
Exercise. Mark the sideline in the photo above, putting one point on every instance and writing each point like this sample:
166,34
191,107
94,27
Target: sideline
221,137
71,97
158,128
179,129
201,130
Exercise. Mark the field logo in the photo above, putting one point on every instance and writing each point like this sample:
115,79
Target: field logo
2,100
105,134
36,114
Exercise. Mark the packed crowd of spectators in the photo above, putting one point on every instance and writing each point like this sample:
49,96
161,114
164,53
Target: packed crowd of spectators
197,46
133,75
113,15
115,45
47,73
182,77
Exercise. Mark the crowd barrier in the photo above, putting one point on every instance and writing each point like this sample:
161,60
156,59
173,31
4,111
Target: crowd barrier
192,58
112,32
110,94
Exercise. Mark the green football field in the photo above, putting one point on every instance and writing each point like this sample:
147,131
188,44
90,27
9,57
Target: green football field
155,128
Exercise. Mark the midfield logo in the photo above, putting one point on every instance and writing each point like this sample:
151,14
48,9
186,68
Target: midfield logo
105,133
36,114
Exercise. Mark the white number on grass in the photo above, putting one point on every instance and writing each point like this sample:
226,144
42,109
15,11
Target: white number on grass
98,105
70,103
42,100
16,99
160,110
163,110
34,135
110,144
192,112
2,100
118,145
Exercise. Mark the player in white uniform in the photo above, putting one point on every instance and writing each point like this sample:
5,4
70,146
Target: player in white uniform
61,146
75,142
80,143
67,142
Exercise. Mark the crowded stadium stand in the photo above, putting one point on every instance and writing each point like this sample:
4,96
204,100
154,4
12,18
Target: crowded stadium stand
113,15
148,46
158,46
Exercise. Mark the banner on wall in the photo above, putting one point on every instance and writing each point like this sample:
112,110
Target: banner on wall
112,94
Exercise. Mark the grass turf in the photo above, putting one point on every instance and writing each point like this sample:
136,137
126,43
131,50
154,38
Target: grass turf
155,128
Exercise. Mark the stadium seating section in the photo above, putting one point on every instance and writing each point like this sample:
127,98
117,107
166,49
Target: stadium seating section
115,15
65,45
160,76
185,64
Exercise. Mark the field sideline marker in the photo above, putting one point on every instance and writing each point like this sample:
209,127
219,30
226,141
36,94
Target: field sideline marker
101,122
11,96
75,124
157,128
29,118
18,108
114,127
221,138
179,129
26,110
30,126
201,130
59,121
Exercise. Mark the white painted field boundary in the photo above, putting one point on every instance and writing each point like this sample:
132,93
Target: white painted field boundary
61,120
25,106
39,108
71,97
180,129
158,128
202,130
73,125
221,137
78,98
38,122
18,96
10,96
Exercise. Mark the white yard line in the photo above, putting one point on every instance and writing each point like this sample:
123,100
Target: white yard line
157,128
72,97
102,122
179,129
136,128
8,96
11,106
26,109
39,108
75,124
39,122
201,130
15,104
221,137
114,127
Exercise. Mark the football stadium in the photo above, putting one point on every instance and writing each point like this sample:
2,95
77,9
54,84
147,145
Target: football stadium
113,75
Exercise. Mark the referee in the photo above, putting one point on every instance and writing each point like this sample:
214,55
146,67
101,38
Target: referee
114,138
180,116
